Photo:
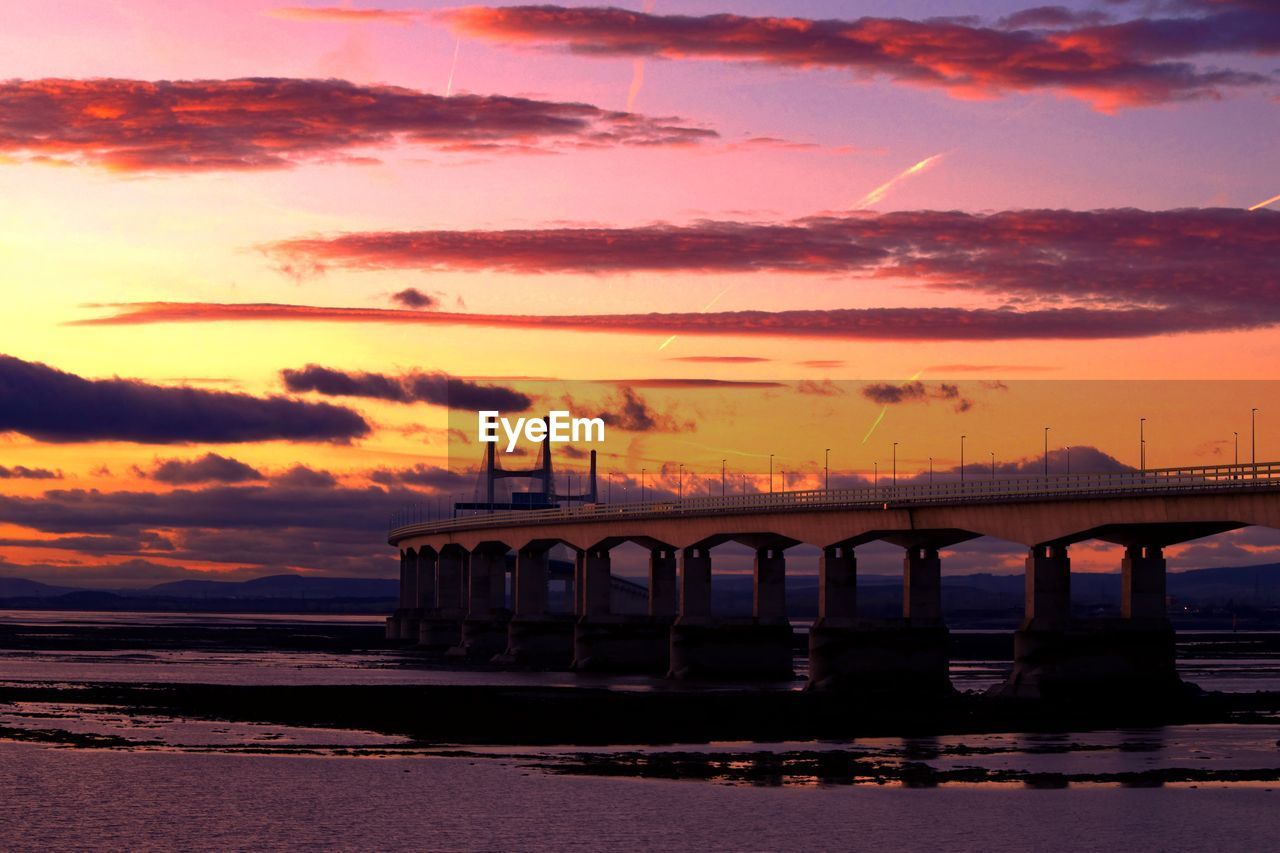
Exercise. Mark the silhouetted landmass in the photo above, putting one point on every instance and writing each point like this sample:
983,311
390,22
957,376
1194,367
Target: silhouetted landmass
280,586
1220,596
23,588
458,714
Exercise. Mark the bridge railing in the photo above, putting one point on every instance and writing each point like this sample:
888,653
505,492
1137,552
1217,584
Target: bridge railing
1264,475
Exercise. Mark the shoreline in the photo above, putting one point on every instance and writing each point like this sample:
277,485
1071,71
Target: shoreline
544,716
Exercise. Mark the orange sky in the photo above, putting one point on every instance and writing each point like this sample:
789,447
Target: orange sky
751,182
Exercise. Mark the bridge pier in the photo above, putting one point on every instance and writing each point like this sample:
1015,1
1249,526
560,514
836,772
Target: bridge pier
702,647
902,656
1048,587
664,593
441,625
403,625
922,585
1057,657
1142,583
604,641
484,629
535,637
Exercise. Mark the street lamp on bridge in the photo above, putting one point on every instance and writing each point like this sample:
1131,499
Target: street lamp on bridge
1253,440
962,438
1046,452
723,462
643,471
993,464
770,473
682,481
826,470
1142,445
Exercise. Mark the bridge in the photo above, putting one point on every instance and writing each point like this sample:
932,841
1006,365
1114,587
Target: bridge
454,578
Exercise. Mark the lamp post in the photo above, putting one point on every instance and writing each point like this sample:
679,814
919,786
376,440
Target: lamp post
682,482
931,470
1068,459
722,472
1142,445
1046,452
770,473
1236,435
826,470
895,464
643,471
569,476
993,465
1253,441
875,476
962,438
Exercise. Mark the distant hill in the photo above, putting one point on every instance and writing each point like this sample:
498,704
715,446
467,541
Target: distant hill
1257,586
277,586
978,596
23,588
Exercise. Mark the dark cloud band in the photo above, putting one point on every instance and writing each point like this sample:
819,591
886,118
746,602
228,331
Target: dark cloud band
50,405
436,388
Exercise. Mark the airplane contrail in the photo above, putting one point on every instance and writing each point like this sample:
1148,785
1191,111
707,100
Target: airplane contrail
448,89
637,67
637,81
885,408
702,310
881,191
1262,204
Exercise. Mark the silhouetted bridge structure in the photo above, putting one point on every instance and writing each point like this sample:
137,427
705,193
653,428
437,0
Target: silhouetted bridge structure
454,577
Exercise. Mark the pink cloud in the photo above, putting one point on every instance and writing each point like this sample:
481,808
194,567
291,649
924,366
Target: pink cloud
272,123
1108,65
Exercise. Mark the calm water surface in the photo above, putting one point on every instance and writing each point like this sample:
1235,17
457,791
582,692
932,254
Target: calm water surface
112,777
60,799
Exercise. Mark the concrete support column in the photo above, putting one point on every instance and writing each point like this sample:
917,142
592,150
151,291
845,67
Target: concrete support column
449,574
769,589
484,564
579,584
837,583
596,582
1142,583
695,583
922,585
425,572
531,581
410,588
1048,602
406,585
663,590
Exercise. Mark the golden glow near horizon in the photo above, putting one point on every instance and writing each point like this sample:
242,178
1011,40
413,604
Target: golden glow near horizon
81,234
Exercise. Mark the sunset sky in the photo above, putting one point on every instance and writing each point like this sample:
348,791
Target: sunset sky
245,245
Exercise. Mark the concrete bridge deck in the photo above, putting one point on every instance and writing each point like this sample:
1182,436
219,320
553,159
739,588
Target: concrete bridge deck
451,568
